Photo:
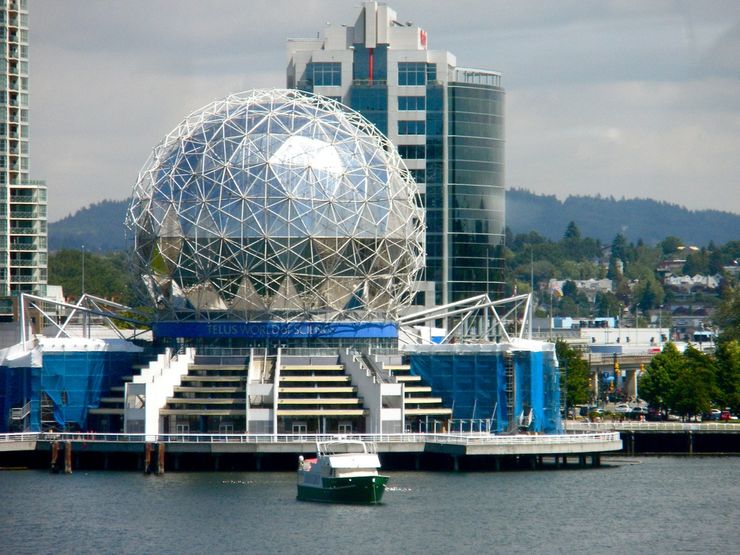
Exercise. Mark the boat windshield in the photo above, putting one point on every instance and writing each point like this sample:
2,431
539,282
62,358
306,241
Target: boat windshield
341,447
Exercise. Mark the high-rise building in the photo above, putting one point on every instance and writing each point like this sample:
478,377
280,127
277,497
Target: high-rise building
23,246
447,123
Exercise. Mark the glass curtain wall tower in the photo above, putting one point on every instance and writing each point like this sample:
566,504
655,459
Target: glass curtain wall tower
23,255
447,123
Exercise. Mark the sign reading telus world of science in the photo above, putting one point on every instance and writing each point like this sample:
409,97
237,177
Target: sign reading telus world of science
276,330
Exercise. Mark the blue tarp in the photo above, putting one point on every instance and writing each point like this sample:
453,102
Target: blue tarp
74,381
474,386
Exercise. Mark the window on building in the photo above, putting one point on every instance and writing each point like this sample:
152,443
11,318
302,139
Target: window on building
419,175
412,73
327,74
431,72
413,127
411,152
411,103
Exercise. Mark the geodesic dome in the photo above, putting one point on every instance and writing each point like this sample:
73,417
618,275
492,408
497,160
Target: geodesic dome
276,204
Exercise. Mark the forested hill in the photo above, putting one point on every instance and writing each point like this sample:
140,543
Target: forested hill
603,217
99,227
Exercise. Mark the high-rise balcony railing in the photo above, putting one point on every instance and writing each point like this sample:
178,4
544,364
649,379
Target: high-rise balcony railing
14,246
24,279
25,230
26,212
25,264
27,199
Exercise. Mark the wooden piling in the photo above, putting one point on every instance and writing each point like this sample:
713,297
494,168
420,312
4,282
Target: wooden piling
54,457
68,457
160,458
148,458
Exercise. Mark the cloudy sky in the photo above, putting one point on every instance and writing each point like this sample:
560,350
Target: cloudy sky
633,98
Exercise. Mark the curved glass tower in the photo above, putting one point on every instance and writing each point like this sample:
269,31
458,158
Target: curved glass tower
447,123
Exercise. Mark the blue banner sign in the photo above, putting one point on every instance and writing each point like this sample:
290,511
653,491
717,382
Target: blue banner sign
276,330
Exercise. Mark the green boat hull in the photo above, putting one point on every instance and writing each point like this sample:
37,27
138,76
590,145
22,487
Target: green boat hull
366,490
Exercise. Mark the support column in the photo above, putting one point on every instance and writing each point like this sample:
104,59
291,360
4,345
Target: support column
691,442
456,463
68,457
53,464
147,458
160,458
630,387
595,460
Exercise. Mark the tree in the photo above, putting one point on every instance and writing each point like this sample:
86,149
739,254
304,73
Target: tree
619,247
670,244
696,263
727,314
656,384
648,293
607,305
570,289
106,275
727,358
577,375
694,387
572,233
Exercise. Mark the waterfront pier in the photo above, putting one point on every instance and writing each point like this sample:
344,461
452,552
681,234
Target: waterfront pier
414,451
668,438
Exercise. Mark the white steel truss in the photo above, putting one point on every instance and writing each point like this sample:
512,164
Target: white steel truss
67,319
512,322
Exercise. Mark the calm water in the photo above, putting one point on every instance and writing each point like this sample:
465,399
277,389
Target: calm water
649,505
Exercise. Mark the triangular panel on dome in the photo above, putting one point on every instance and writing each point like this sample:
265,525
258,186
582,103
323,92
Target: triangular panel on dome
377,294
170,239
286,298
204,226
337,291
204,296
246,298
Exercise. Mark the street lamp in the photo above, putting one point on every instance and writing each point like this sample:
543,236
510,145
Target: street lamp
83,272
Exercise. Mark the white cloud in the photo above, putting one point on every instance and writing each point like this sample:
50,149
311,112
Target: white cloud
626,98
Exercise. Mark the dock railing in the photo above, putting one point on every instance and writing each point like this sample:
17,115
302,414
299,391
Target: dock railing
633,426
475,438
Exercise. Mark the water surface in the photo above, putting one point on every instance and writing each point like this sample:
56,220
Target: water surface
631,505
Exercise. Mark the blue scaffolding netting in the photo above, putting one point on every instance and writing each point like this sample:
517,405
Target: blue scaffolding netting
73,381
474,385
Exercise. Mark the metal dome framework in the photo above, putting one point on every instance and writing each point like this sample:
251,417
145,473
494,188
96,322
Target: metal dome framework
276,205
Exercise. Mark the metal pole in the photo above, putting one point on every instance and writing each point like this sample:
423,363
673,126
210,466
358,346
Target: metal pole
83,271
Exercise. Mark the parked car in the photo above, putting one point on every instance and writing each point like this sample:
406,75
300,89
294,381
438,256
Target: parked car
713,414
638,412
623,408
725,416
654,415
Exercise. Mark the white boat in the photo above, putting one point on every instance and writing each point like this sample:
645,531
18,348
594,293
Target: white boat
344,471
